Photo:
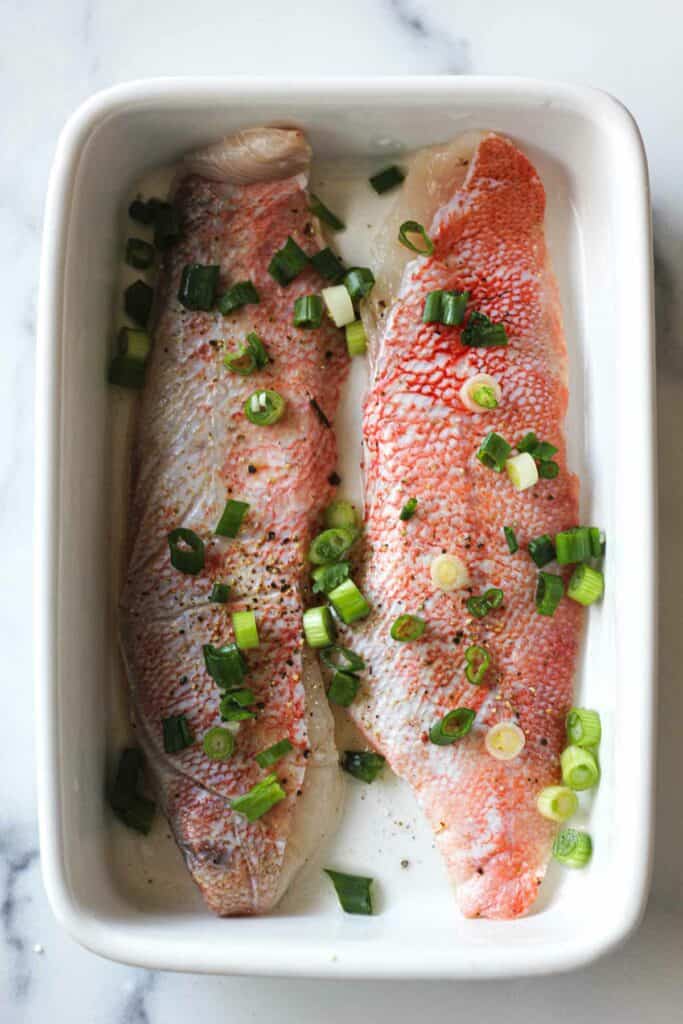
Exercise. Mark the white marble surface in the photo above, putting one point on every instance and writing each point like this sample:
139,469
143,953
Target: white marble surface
56,54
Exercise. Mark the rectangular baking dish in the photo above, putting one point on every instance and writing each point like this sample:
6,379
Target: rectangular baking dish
589,153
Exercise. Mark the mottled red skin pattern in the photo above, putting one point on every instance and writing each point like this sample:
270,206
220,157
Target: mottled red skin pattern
421,441
194,449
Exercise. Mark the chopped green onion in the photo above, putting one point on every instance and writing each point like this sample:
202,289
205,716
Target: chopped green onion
318,627
484,396
246,630
187,551
231,519
351,662
542,550
328,264
453,726
557,803
248,358
198,286
139,254
230,712
177,734
356,338
583,727
339,305
343,688
586,585
218,743
288,262
494,451
134,344
505,741
544,451
482,604
259,349
241,294
359,282
134,810
166,224
597,541
264,408
137,302
353,891
407,627
511,539
260,798
348,602
225,665
268,757
220,592
141,211
579,768
477,662
413,227
453,306
573,545
242,698
308,311
387,179
481,332
126,373
522,471
138,814
362,764
341,514
330,545
408,510
323,213
549,591
528,443
327,577
431,314
572,848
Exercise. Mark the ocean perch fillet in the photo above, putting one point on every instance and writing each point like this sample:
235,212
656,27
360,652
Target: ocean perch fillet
421,441
238,201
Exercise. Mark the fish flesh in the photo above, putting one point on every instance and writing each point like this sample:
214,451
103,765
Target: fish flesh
483,204
238,201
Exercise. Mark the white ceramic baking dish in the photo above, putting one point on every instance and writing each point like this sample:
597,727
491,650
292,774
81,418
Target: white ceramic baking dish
589,153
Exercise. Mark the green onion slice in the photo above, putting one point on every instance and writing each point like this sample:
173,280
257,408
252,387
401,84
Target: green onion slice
359,282
343,688
353,891
263,408
187,550
231,519
308,311
408,510
177,734
260,798
198,285
586,585
477,662
572,848
511,539
327,577
348,602
557,803
341,514
246,630
166,220
139,254
431,314
453,726
579,768
494,451
453,306
362,764
542,550
323,213
318,627
134,810
350,661
218,743
288,262
481,605
225,665
328,264
141,211
125,372
138,814
481,332
573,545
220,592
549,591
387,179
330,545
232,712
597,539
356,338
243,293
583,727
137,302
268,757
248,358
407,627
134,344
413,227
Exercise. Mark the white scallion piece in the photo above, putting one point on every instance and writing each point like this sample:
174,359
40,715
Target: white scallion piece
339,305
522,471
480,393
448,573
505,741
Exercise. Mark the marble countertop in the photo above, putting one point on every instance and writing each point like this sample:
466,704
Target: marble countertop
54,55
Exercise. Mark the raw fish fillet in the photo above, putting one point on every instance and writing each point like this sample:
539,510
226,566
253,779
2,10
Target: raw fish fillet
483,204
194,449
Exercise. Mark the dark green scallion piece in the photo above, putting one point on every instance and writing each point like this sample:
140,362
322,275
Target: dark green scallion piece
240,294
408,510
343,688
166,224
139,254
259,799
198,286
177,734
187,550
220,592
359,282
328,265
453,726
549,591
133,809
387,179
288,262
137,302
484,603
231,519
548,470
511,539
407,628
141,211
265,407
308,311
323,213
342,658
542,550
453,306
481,332
126,373
225,665
353,892
362,764
477,662
327,577
413,227
267,758
494,451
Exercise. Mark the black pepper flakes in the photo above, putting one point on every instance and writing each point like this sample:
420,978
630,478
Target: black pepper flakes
251,468
334,479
